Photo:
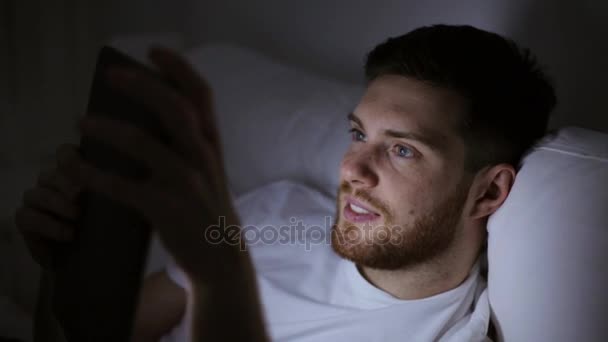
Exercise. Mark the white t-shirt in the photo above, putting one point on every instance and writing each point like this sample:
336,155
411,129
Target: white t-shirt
308,293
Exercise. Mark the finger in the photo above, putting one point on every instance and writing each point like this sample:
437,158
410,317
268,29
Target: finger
34,223
115,187
177,113
181,72
52,202
195,87
55,179
136,143
177,69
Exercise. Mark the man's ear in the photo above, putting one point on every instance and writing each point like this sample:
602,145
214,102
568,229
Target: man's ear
490,189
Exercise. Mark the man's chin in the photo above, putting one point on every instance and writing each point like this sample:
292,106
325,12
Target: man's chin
389,247
355,242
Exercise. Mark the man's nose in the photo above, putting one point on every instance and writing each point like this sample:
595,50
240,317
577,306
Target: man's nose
358,169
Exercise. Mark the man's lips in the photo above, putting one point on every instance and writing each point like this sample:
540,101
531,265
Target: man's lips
356,211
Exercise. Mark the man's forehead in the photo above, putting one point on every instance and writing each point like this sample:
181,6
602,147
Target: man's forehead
397,100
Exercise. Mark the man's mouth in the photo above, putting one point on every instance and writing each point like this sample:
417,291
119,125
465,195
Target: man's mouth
356,211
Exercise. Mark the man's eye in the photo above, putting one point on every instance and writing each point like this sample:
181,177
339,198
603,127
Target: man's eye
356,135
403,151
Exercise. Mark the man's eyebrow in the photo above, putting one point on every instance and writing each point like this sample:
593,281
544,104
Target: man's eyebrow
353,117
434,141
430,139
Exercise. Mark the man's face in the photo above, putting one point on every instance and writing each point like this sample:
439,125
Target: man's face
403,185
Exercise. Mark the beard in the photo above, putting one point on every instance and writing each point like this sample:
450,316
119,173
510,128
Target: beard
390,246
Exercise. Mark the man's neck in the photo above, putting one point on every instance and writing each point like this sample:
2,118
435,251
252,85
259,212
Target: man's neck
419,281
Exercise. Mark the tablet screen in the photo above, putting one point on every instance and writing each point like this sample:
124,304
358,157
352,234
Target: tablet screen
98,277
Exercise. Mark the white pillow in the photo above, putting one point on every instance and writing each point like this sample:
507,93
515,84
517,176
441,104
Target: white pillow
276,121
548,243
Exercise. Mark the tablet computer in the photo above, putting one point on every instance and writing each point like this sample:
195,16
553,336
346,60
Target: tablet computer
98,277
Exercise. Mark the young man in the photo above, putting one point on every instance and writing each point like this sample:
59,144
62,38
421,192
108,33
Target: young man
436,139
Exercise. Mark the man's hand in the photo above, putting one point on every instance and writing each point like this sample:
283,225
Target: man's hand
186,190
184,193
48,214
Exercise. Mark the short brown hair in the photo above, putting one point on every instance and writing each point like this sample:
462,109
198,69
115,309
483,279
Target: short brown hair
510,98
